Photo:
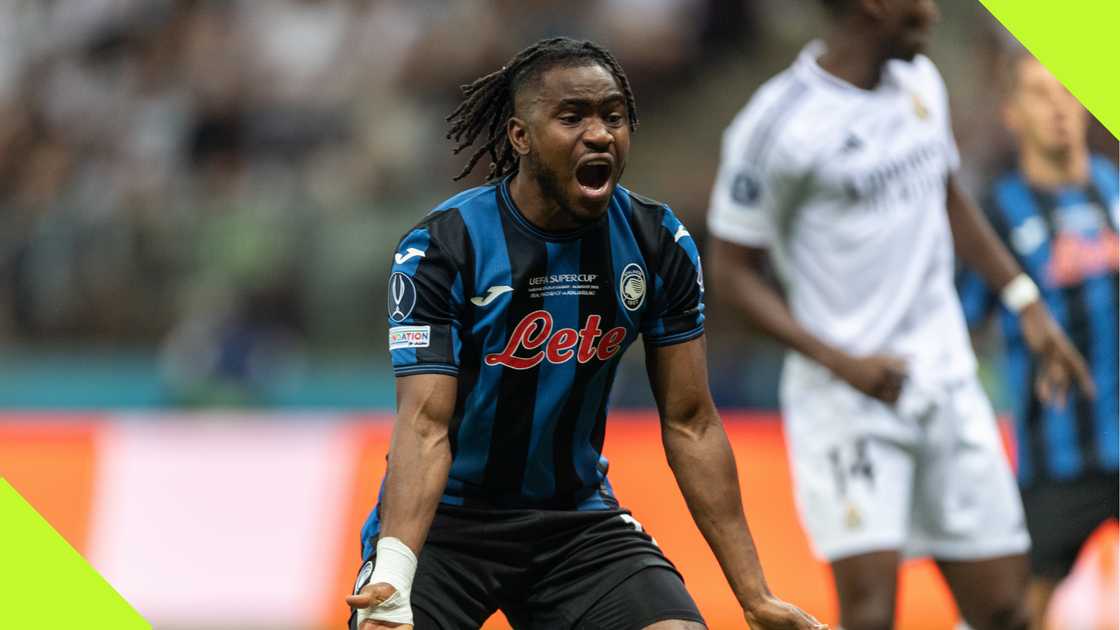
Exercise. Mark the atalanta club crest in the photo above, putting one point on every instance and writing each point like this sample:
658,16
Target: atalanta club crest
402,297
632,286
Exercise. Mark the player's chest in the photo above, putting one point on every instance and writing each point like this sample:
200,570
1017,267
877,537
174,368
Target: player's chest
577,301
884,156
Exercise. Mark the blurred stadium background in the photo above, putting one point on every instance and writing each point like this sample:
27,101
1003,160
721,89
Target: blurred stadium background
199,203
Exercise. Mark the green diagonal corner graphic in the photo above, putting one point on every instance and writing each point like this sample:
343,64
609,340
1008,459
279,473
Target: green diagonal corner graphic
46,584
1076,40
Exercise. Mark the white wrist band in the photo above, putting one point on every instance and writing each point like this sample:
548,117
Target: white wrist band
1020,293
395,566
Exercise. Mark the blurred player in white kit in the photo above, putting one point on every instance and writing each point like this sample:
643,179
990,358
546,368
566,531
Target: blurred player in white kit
841,170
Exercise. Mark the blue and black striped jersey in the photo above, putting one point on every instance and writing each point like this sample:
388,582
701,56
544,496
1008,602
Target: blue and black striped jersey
533,324
1066,240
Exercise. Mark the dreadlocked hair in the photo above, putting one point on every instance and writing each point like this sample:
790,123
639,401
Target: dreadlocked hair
488,101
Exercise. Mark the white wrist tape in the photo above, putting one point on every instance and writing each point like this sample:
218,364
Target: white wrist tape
1020,293
396,566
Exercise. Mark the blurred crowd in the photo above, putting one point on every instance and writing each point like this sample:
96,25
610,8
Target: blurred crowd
226,179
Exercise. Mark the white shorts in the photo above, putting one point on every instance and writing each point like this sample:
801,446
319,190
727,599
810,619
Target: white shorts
927,476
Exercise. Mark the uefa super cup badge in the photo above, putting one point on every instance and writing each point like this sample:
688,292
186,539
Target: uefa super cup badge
402,296
632,286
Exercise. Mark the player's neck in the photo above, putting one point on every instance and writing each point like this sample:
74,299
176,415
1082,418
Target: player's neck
852,60
1054,170
540,210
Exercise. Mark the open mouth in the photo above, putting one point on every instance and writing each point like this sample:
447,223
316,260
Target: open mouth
593,176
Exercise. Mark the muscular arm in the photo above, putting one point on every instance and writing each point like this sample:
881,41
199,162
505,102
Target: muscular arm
976,243
419,457
419,461
741,282
704,466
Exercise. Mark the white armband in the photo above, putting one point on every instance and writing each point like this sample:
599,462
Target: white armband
1020,293
396,566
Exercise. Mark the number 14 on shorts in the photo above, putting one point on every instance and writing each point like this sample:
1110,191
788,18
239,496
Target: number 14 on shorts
849,466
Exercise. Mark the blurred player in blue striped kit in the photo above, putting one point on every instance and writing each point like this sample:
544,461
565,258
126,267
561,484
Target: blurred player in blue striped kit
843,171
509,308
1058,213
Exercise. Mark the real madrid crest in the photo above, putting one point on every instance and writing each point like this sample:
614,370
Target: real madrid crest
852,518
632,286
920,108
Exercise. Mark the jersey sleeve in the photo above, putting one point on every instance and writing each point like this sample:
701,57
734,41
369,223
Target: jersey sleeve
676,313
755,180
425,306
935,90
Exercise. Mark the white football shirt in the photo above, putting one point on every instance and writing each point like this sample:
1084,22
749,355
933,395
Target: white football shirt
847,189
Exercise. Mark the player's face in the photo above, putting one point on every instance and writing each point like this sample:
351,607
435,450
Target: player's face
1041,112
578,138
908,26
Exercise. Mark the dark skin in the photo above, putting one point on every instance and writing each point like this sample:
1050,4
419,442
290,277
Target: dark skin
572,117
576,114
990,593
868,33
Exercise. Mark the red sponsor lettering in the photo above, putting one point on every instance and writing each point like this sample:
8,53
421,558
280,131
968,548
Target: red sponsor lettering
611,342
536,328
587,336
1075,258
561,344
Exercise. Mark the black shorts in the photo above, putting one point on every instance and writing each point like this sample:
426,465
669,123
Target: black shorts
1061,515
594,570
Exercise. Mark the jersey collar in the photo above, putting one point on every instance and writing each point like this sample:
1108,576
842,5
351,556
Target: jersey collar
807,68
510,206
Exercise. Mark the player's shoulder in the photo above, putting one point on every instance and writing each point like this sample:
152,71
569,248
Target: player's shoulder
480,198
779,121
1009,196
641,208
639,203
1104,170
654,225
648,216
919,74
455,208
445,225
771,104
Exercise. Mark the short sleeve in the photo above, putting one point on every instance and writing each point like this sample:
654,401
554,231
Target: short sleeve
425,305
934,88
676,313
754,181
